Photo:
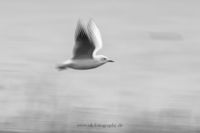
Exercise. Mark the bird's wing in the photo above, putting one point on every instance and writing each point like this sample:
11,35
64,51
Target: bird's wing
83,48
95,36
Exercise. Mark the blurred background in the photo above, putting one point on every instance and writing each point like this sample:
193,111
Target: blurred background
153,86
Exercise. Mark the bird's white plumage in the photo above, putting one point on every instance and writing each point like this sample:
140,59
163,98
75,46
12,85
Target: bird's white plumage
88,42
95,36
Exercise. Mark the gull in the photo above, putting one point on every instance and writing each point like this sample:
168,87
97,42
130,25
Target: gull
88,42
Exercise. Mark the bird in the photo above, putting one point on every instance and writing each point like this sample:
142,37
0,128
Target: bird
88,42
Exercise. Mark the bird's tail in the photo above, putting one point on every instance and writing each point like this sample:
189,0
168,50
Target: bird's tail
61,67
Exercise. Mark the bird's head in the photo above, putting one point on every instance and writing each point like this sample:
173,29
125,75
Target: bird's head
103,59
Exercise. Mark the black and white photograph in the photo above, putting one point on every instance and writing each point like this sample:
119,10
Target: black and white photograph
99,66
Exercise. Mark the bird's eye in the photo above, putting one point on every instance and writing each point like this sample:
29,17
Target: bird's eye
103,58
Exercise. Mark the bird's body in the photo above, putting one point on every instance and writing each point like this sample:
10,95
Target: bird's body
87,42
81,64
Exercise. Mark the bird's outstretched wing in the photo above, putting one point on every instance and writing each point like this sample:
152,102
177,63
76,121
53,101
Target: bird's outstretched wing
84,47
95,36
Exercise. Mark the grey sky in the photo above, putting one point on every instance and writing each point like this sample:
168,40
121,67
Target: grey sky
155,45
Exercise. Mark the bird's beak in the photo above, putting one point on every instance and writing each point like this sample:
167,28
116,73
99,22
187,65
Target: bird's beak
111,61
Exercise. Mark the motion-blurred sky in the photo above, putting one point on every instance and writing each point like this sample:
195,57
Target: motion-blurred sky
155,77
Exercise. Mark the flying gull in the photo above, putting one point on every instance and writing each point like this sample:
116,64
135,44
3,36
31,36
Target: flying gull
88,42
